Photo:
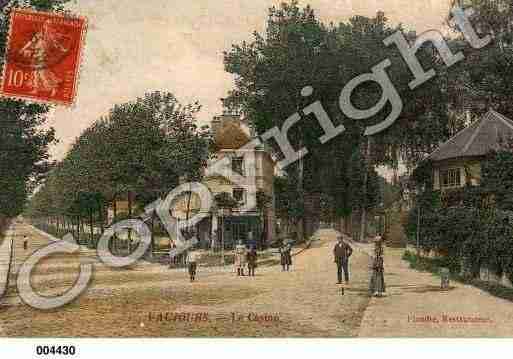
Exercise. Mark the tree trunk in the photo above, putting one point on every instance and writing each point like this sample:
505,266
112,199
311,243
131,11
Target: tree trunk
300,229
363,217
418,230
263,235
101,217
78,229
130,217
189,195
115,214
91,226
152,247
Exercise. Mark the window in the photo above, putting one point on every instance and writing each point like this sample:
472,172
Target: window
238,165
239,195
450,178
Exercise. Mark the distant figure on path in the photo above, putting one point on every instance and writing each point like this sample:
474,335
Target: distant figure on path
252,259
342,252
377,282
286,256
172,255
25,242
240,258
192,260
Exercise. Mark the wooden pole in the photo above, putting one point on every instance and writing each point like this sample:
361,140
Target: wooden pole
363,218
115,213
152,234
130,217
418,230
78,229
91,225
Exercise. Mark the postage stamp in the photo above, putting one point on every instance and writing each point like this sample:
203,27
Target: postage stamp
43,54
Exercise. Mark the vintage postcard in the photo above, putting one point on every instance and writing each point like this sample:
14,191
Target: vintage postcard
255,169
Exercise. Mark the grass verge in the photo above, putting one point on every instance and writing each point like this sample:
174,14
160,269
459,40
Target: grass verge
433,265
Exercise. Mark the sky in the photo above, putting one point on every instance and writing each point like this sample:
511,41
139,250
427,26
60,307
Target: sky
133,47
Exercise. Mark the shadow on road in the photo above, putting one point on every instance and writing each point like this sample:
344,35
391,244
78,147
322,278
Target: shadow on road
420,289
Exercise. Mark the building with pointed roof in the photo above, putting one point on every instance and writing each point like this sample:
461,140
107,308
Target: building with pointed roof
458,161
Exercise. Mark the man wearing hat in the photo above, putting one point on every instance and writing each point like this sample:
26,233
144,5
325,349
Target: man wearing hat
342,252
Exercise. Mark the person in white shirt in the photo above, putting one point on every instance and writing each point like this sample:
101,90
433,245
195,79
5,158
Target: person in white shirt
192,261
240,258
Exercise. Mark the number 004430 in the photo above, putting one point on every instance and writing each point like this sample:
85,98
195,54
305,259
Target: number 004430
55,350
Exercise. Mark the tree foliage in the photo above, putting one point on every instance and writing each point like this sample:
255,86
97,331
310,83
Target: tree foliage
497,173
299,50
24,143
141,147
224,200
471,225
484,79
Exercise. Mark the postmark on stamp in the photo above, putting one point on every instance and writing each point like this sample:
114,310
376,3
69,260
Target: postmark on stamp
42,58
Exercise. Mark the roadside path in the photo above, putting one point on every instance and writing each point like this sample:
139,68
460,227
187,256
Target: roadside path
415,306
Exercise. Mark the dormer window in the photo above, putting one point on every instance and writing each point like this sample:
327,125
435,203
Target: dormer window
238,165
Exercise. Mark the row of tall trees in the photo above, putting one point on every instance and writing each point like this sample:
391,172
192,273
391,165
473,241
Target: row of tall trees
137,153
297,50
24,143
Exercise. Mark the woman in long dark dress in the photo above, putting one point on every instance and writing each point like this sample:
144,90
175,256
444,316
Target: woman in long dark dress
377,283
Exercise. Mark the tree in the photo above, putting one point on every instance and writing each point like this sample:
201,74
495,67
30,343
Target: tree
139,151
263,201
497,176
484,79
298,50
24,157
224,200
289,204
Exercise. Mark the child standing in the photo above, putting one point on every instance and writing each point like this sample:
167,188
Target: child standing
192,261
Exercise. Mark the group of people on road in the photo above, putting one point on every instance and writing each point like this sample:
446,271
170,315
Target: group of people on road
244,257
341,253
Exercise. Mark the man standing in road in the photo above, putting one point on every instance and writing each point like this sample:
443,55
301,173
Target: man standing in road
342,252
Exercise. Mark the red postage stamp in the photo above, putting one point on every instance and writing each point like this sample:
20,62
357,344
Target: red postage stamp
43,56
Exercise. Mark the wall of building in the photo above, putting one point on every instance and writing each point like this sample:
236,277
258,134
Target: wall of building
470,166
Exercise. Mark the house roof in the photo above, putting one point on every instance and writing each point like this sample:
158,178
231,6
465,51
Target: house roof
230,133
478,139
